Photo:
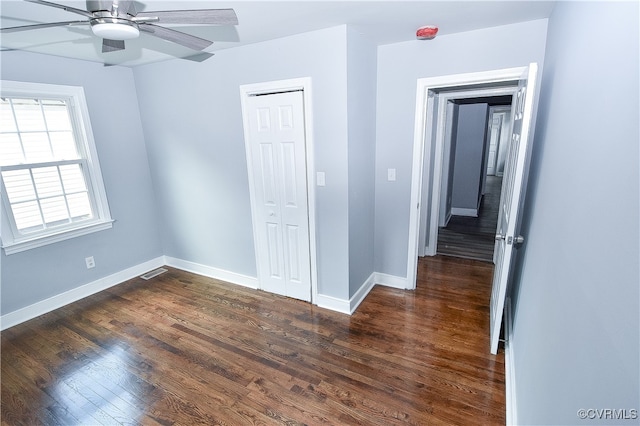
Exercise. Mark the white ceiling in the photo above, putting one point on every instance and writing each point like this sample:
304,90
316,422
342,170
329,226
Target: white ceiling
383,22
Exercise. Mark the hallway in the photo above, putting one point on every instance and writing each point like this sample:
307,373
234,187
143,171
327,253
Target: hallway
473,237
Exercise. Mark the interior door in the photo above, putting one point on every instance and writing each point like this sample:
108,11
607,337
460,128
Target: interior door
278,166
513,184
494,132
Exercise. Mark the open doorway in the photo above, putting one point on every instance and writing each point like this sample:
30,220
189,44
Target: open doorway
432,100
477,136
428,170
446,108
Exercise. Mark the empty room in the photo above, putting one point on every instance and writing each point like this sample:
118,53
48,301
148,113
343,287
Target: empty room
228,212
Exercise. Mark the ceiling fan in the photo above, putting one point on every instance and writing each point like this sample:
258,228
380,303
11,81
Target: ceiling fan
118,20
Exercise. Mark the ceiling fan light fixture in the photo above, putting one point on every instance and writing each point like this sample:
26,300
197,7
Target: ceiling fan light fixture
115,29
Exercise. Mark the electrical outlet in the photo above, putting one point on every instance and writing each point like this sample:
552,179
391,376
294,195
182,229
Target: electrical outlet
90,262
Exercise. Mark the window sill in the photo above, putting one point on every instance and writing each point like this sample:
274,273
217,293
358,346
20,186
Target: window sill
28,244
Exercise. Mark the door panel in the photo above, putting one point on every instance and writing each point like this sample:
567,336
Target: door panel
267,176
293,251
263,116
513,183
285,114
278,163
289,174
273,247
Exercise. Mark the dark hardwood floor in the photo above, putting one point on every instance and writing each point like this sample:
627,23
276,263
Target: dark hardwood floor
184,349
474,237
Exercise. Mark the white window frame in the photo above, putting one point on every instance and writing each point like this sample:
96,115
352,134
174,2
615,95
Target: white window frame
14,241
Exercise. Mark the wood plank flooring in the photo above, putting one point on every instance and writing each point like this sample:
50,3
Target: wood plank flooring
184,349
474,237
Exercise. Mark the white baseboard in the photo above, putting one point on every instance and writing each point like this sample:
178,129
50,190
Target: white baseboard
59,300
323,301
459,211
62,299
362,292
333,303
390,280
347,306
211,272
510,377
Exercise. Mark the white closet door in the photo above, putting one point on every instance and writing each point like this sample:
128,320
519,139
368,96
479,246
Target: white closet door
278,163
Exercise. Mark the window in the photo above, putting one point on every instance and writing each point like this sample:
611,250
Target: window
52,187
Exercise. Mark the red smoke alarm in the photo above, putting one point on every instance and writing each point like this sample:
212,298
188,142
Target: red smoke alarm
427,32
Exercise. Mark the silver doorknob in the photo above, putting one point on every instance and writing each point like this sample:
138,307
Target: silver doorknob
511,240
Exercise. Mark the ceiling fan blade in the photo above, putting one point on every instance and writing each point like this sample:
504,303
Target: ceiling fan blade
184,39
124,6
112,45
63,7
201,16
38,26
198,57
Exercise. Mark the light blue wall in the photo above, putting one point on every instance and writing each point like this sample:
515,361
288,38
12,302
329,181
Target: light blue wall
34,275
192,121
576,318
361,99
468,169
399,67
195,148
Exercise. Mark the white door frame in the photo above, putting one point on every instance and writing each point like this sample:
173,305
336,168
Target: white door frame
439,130
423,131
269,87
436,183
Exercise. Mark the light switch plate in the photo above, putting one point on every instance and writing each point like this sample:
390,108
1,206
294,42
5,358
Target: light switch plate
391,175
320,179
